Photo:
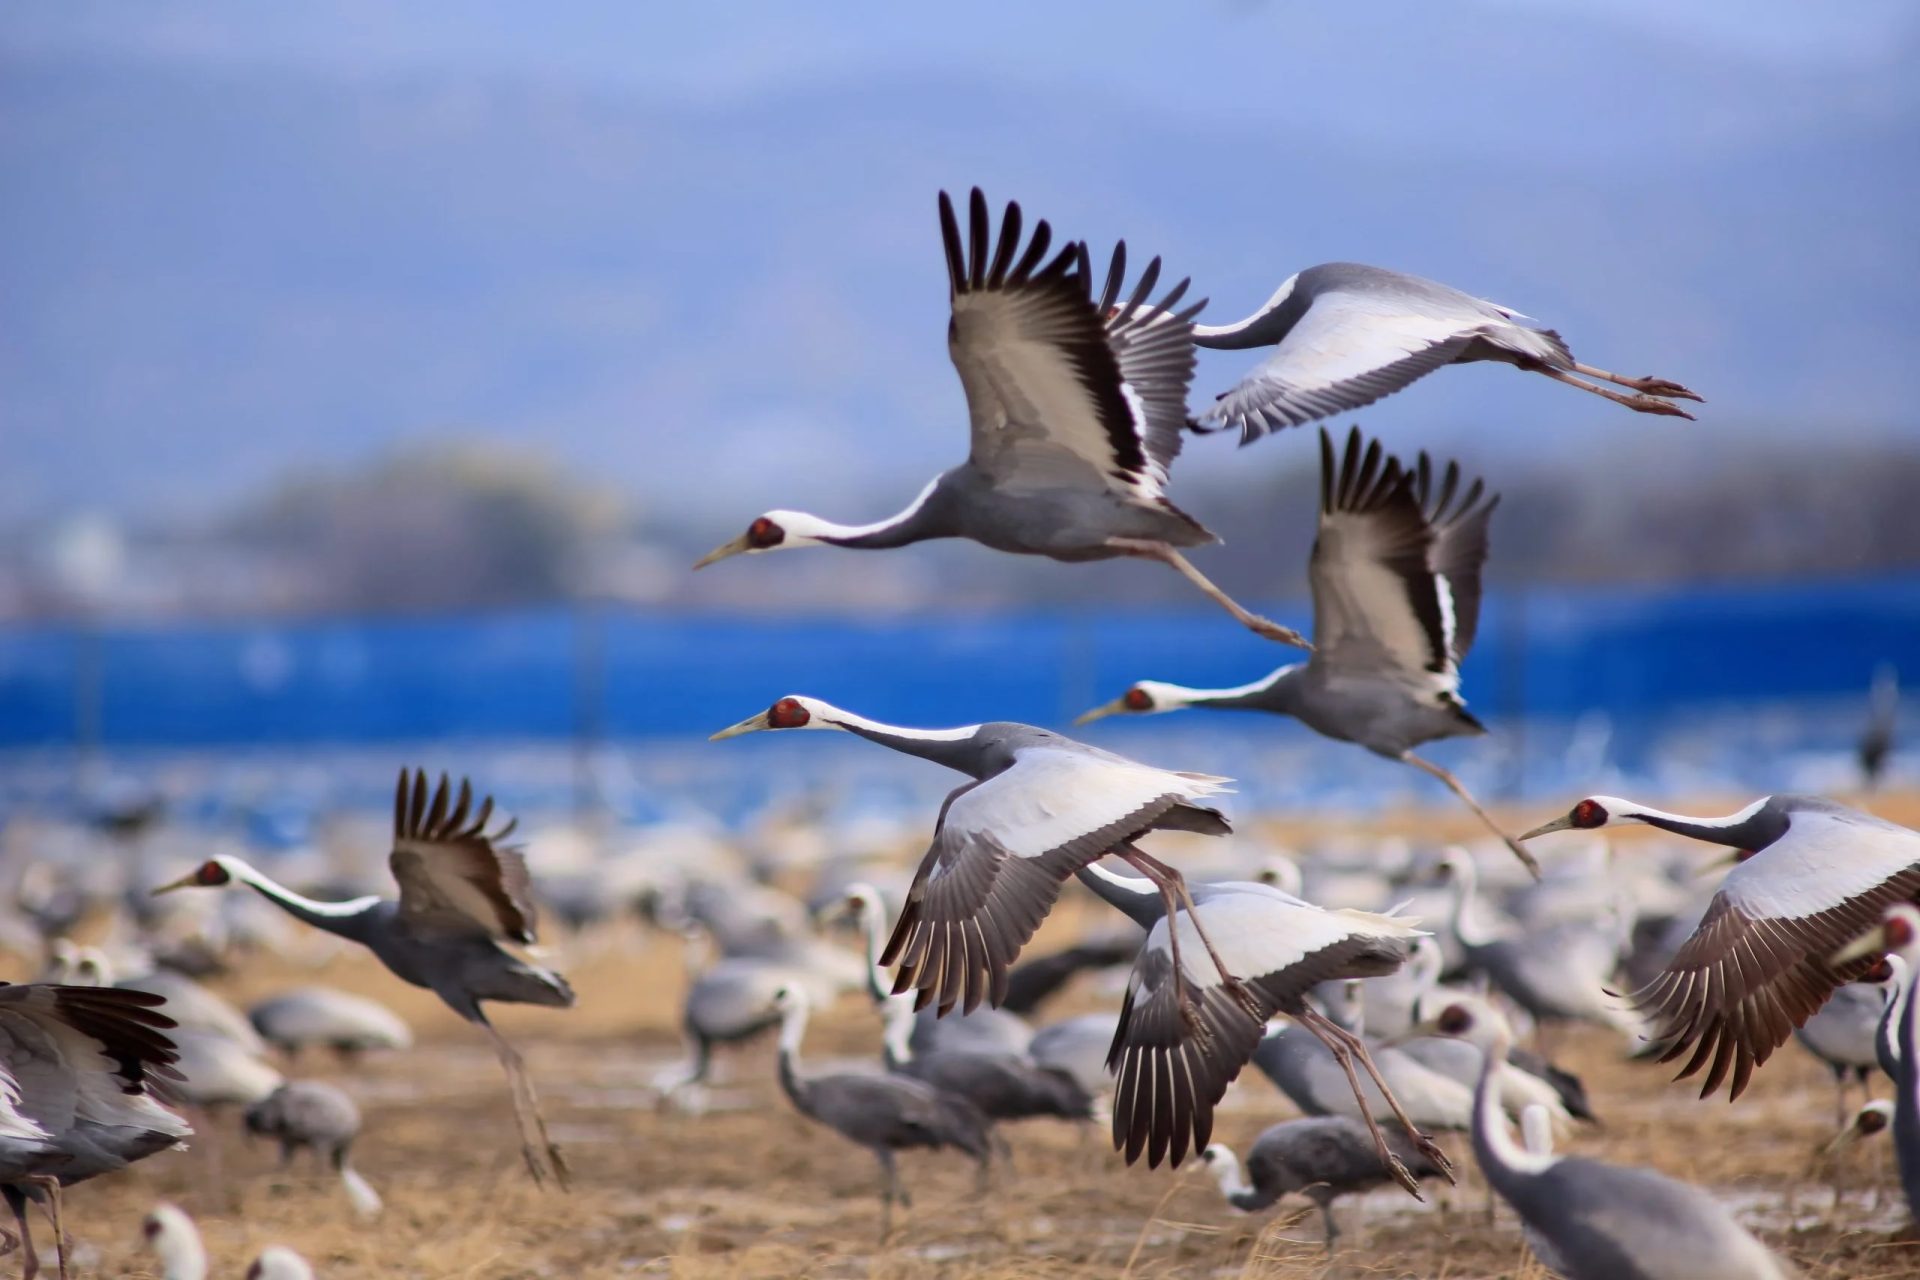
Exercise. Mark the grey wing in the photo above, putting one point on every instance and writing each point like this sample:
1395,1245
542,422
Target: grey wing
1376,601
1154,347
1171,1068
1049,403
456,877
1459,523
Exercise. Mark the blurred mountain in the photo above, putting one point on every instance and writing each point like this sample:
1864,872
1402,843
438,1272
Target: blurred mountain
215,272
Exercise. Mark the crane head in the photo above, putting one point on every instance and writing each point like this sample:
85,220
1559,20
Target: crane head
790,712
766,533
1589,815
1144,698
210,874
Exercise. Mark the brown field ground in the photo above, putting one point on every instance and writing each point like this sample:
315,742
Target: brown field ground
752,1190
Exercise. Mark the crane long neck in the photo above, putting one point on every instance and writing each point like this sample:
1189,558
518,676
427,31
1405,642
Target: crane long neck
1135,897
1887,1038
873,923
922,519
1505,1162
896,1038
953,748
1227,1171
1263,328
1754,827
346,919
1906,1103
1277,692
793,1029
1466,889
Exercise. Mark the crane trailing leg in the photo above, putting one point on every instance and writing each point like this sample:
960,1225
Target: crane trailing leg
541,1155
1458,788
1346,1048
1171,557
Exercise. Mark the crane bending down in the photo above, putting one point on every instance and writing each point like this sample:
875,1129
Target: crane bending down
1395,573
1345,334
462,893
1078,405
1762,961
1040,807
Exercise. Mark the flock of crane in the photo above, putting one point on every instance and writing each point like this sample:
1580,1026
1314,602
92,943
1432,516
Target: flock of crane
1078,397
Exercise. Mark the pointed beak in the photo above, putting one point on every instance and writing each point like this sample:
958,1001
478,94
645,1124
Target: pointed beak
1872,942
184,882
1561,823
722,551
1117,707
751,724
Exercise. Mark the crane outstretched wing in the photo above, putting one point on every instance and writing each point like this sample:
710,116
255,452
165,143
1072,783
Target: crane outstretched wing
1002,850
1459,523
1063,389
455,876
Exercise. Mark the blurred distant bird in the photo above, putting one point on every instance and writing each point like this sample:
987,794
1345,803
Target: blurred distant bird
462,893
175,1241
79,1069
1844,1034
277,1262
346,1023
1761,960
1883,709
1320,1157
315,1116
1077,406
1039,808
1346,334
1898,935
1396,602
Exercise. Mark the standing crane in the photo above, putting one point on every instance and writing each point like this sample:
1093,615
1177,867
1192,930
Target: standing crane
1761,960
1077,405
1898,935
1345,334
1599,1221
1320,1157
1395,573
1040,807
462,893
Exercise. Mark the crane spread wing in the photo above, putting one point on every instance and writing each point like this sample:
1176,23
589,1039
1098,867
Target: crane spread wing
456,877
1001,851
1347,349
1759,964
1376,601
1459,523
1171,1070
69,1046
1062,392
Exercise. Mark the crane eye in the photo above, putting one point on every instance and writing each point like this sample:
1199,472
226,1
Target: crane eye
211,873
764,533
1589,814
787,714
1138,699
1455,1020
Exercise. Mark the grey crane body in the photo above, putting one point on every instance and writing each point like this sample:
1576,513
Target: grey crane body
307,1115
1906,1103
1599,1221
1320,1157
1077,405
1347,334
882,1112
1304,1069
1003,1086
1385,711
1845,1034
463,891
346,1023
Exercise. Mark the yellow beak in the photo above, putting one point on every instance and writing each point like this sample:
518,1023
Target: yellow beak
184,882
722,551
1117,707
751,724
1560,823
1869,943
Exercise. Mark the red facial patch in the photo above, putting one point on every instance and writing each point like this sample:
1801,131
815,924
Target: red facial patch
1880,972
787,714
211,873
764,533
1588,814
1870,1122
1455,1020
1899,932
1138,699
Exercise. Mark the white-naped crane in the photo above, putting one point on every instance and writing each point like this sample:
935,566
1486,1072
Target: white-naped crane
1395,573
277,1262
1040,807
1898,937
1345,334
1077,403
1761,960
882,1112
1320,1157
81,1069
1600,1221
175,1242
463,892
340,1020
1003,1086
1172,1063
312,1115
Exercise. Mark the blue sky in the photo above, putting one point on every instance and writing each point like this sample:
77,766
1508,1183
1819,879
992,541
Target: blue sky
239,241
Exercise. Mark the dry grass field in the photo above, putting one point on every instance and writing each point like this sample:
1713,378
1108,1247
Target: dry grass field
752,1190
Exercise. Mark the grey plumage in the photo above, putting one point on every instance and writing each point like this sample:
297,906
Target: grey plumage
1395,573
1077,404
1320,1157
882,1113
463,891
339,1020
1003,1086
311,1115
1346,334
